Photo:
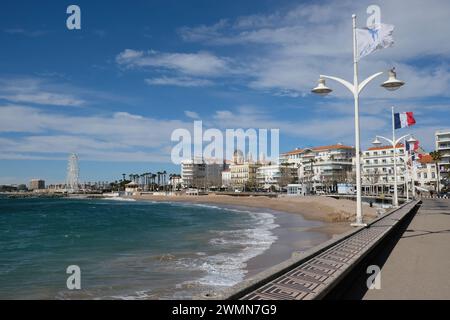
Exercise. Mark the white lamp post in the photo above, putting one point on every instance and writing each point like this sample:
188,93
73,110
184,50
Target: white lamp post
356,88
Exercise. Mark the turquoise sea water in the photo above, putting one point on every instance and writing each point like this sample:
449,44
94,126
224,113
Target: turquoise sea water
126,250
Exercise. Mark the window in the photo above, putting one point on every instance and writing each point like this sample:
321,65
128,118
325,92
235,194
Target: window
433,175
425,175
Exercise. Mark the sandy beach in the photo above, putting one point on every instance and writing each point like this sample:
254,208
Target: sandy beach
335,212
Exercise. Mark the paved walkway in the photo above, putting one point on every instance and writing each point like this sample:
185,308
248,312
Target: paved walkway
419,265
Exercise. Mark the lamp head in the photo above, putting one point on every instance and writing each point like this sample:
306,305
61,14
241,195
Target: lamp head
376,142
321,88
411,140
392,83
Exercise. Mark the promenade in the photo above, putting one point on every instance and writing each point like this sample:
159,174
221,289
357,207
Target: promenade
418,267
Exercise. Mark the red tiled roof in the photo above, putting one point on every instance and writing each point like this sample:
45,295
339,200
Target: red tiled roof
399,145
426,158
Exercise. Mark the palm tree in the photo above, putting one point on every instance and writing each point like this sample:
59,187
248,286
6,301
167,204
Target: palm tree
437,157
123,175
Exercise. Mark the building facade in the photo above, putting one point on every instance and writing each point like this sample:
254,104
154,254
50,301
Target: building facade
378,169
442,138
193,174
424,173
226,178
321,167
37,184
276,176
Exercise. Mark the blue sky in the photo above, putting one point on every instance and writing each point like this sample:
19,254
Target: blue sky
115,90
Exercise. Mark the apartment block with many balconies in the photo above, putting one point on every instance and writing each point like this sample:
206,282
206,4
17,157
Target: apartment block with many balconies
443,146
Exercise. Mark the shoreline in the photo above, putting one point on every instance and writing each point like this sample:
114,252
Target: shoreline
316,208
303,223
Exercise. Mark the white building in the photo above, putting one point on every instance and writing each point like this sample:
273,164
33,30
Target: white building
322,167
378,169
425,173
200,174
226,178
193,173
275,176
443,146
175,181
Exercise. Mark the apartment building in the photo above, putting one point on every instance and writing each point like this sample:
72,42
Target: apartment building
198,173
276,176
193,173
442,138
321,167
378,168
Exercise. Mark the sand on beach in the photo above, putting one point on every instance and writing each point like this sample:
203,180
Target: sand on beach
336,212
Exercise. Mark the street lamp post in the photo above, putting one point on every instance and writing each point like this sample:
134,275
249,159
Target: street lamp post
356,88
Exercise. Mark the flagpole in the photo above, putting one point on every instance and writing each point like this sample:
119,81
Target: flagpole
395,159
359,220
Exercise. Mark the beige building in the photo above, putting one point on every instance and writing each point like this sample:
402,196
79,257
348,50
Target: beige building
243,176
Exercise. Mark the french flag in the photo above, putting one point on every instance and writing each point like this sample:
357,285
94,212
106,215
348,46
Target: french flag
404,119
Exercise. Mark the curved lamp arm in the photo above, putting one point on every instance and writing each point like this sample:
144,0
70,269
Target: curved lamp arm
388,140
363,84
396,141
347,84
399,139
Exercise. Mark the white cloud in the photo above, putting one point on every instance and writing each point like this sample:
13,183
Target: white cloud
118,137
198,64
191,114
296,44
179,81
36,91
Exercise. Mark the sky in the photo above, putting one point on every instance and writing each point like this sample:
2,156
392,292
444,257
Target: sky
114,91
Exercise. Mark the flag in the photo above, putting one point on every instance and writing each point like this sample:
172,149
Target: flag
376,37
416,146
404,119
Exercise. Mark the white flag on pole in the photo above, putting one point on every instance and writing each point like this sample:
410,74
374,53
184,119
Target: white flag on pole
378,36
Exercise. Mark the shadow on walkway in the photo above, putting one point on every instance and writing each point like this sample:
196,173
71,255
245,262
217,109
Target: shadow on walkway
354,287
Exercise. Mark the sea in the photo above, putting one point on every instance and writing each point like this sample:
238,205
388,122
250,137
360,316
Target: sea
127,249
